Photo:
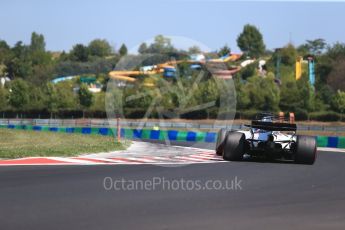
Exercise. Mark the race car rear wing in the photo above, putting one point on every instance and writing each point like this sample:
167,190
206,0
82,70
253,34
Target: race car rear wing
272,126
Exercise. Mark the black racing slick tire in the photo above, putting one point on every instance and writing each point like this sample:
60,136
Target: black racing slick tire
305,152
234,146
221,141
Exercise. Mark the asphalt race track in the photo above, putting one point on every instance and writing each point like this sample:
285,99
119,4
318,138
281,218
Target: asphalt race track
272,196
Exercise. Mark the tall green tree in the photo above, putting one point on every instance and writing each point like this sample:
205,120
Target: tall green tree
30,62
338,102
100,48
289,96
123,50
3,98
161,44
297,95
306,93
41,61
80,53
194,50
19,62
36,98
224,50
142,48
263,93
242,99
316,46
52,98
336,77
251,41
98,102
249,71
4,51
337,51
66,96
37,42
38,54
60,96
325,94
288,55
19,95
85,96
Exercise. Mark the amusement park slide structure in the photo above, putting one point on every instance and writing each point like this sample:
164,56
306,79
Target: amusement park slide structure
130,76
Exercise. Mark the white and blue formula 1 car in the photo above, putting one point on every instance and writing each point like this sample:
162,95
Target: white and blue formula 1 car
267,137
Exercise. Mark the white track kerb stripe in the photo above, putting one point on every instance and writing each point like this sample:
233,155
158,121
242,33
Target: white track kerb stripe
197,156
120,160
71,160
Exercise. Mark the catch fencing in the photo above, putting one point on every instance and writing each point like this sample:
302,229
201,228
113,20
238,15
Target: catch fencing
104,123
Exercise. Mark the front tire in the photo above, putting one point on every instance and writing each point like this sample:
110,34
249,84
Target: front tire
221,141
305,152
234,146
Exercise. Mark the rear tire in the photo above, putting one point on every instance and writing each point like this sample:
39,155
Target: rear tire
305,150
221,141
234,146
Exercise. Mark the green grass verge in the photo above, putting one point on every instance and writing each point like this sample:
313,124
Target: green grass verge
25,143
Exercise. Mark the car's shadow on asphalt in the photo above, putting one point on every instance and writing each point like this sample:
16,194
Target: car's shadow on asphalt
266,160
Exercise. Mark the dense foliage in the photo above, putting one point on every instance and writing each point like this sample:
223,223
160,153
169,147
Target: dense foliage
31,68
